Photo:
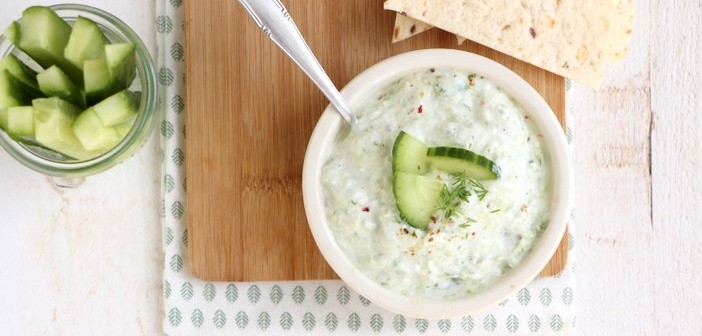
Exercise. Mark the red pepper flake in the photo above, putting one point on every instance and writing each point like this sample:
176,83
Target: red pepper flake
431,239
472,234
526,117
433,219
366,209
420,109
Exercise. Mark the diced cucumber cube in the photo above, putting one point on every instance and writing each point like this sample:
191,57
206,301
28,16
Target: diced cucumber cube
52,127
85,42
11,93
118,108
12,32
92,134
25,75
20,121
53,82
121,63
56,106
3,118
98,82
124,128
43,35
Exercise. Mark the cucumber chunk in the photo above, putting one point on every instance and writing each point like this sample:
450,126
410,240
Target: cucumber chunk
120,59
11,93
409,155
92,134
98,82
43,35
21,72
85,42
458,160
12,32
52,127
53,82
3,118
20,121
417,197
118,108
124,128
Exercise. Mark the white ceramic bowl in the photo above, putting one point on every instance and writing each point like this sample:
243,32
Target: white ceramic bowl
376,78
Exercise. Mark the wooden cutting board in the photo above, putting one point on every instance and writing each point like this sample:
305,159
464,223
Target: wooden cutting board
250,113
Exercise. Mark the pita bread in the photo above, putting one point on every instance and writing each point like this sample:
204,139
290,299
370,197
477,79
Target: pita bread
622,29
567,37
401,32
406,27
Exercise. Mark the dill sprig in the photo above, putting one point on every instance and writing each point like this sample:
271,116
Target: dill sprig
479,189
460,190
450,198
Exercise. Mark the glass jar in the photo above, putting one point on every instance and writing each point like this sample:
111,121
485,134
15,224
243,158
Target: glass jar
50,163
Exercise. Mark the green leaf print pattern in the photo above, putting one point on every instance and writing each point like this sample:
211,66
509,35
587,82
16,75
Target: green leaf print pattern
308,321
320,295
264,321
232,293
331,321
376,322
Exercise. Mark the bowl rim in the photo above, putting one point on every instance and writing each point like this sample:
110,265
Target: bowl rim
375,78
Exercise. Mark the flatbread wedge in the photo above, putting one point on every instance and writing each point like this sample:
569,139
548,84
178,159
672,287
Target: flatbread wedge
570,38
622,29
406,27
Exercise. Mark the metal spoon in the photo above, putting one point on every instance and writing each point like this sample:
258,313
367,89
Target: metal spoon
272,17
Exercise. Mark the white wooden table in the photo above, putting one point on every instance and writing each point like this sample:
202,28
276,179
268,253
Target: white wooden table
87,261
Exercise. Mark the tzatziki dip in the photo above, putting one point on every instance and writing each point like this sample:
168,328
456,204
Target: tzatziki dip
490,228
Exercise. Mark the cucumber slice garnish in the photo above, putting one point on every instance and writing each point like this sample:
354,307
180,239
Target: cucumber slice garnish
409,155
417,192
416,196
455,160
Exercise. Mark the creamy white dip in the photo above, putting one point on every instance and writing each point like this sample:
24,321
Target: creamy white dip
469,251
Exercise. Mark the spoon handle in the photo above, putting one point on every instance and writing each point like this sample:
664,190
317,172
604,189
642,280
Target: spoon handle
272,17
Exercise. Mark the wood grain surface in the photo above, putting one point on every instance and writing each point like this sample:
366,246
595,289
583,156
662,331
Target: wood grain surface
250,115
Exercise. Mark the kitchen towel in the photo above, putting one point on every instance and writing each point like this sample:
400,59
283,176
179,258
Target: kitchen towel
194,307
